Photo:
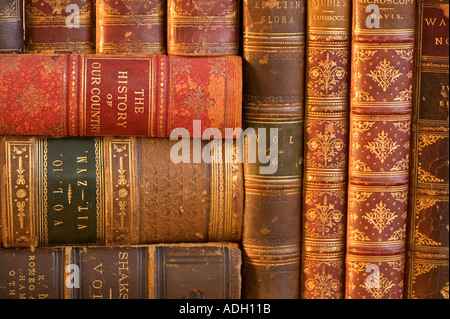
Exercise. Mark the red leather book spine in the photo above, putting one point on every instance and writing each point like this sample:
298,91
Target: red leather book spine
428,234
326,150
203,28
131,27
11,26
380,124
59,27
112,95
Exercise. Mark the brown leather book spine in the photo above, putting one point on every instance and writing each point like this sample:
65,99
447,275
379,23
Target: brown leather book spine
59,27
168,271
32,273
131,27
11,26
73,191
195,271
118,95
428,245
380,123
273,51
326,150
203,28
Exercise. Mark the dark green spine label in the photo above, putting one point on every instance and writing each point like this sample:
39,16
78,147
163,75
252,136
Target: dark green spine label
72,189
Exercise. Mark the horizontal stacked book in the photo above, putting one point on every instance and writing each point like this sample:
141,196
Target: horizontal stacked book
167,149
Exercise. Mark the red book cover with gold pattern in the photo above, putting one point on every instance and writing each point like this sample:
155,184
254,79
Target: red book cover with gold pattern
105,95
380,125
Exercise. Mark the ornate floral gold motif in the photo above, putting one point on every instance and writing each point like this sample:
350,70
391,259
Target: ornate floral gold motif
381,289
425,140
198,101
31,100
399,234
420,269
359,165
424,203
122,178
357,235
380,217
423,240
362,96
359,196
326,146
405,95
400,196
364,55
10,10
401,165
323,286
425,177
382,146
362,127
407,55
404,127
384,74
327,74
324,216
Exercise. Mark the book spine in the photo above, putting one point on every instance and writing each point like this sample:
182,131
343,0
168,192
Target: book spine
59,27
73,191
132,27
273,50
209,271
380,123
206,28
428,246
32,273
326,150
11,26
112,95
166,271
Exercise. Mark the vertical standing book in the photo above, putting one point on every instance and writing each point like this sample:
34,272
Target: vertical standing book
131,27
59,27
203,28
273,49
326,150
428,248
11,26
380,123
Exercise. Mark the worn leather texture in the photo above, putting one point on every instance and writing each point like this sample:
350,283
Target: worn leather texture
119,191
169,271
31,273
150,95
11,26
59,27
131,27
428,245
326,150
379,148
203,28
273,51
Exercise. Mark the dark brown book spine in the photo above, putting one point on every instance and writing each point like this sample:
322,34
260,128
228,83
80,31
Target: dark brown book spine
169,271
203,28
131,27
428,246
119,191
326,150
11,26
273,50
380,123
59,27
